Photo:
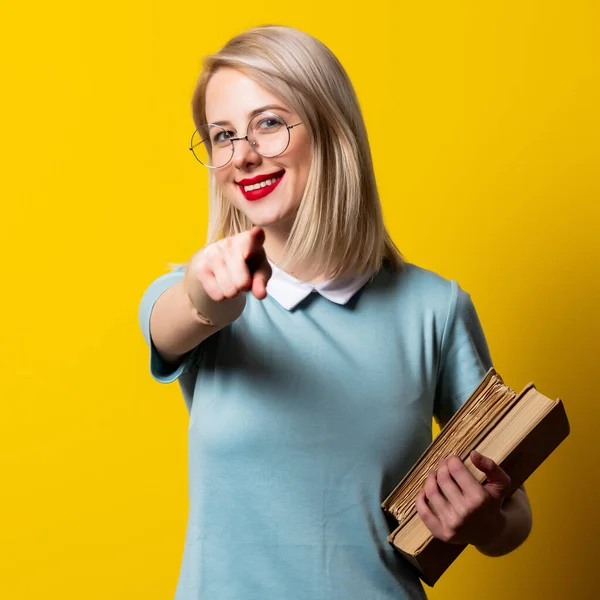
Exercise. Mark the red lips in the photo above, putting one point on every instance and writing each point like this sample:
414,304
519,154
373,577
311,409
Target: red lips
260,178
261,192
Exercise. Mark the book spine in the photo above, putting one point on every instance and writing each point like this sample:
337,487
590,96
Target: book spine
433,560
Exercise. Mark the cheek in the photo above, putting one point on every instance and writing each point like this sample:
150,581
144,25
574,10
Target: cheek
220,177
302,159
224,183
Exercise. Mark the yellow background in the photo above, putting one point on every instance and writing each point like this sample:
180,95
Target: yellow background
484,122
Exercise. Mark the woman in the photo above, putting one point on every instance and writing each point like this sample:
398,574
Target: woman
311,356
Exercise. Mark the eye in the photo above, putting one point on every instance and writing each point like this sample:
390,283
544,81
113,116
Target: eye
222,137
269,123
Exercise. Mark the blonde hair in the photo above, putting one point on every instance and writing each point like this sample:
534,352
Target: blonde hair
339,226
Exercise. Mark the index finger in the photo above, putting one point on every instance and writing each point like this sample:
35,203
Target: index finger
463,477
251,242
260,278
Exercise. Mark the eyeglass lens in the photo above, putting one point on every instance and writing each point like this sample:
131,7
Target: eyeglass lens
213,146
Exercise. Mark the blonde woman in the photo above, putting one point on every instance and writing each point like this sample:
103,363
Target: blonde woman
311,356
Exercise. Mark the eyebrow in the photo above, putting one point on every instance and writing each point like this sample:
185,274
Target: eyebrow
256,111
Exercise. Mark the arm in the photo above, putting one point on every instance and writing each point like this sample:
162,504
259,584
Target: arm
209,296
176,326
453,504
517,525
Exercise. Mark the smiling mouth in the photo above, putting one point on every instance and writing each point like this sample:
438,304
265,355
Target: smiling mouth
260,189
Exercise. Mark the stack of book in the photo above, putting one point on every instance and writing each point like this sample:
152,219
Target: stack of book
517,431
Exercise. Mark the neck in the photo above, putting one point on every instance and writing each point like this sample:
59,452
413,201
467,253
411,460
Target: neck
275,240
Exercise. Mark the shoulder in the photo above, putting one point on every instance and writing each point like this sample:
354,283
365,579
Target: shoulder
413,285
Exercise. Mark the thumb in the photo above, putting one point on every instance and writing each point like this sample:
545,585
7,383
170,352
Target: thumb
498,481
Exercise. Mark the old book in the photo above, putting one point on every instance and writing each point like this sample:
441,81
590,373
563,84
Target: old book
517,431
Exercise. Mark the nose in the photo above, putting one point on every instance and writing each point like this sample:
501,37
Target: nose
244,155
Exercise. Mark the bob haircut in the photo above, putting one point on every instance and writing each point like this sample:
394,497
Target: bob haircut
339,226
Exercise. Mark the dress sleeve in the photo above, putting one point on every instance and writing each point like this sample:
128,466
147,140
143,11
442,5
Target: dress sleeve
159,369
464,356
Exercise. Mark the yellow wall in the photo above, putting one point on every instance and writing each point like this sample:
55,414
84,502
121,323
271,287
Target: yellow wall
484,123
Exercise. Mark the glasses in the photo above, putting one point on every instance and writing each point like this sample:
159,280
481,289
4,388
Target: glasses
267,133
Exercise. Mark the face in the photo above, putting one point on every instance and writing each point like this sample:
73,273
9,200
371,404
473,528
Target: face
232,100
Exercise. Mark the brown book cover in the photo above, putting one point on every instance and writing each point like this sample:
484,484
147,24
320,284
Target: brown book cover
526,455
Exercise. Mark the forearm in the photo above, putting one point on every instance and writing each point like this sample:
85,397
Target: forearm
517,519
176,326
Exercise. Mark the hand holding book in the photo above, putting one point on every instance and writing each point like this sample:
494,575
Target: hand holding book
456,508
516,431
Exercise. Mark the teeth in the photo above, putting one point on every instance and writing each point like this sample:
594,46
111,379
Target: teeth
262,184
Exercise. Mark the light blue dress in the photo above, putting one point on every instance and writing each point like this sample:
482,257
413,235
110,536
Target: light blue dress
302,421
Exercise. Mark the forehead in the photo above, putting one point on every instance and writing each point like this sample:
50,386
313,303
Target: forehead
232,96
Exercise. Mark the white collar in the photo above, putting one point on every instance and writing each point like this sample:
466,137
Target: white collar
289,291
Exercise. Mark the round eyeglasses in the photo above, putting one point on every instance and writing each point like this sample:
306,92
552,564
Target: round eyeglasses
267,133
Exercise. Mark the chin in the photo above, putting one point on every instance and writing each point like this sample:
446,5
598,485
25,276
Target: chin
266,221
267,214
